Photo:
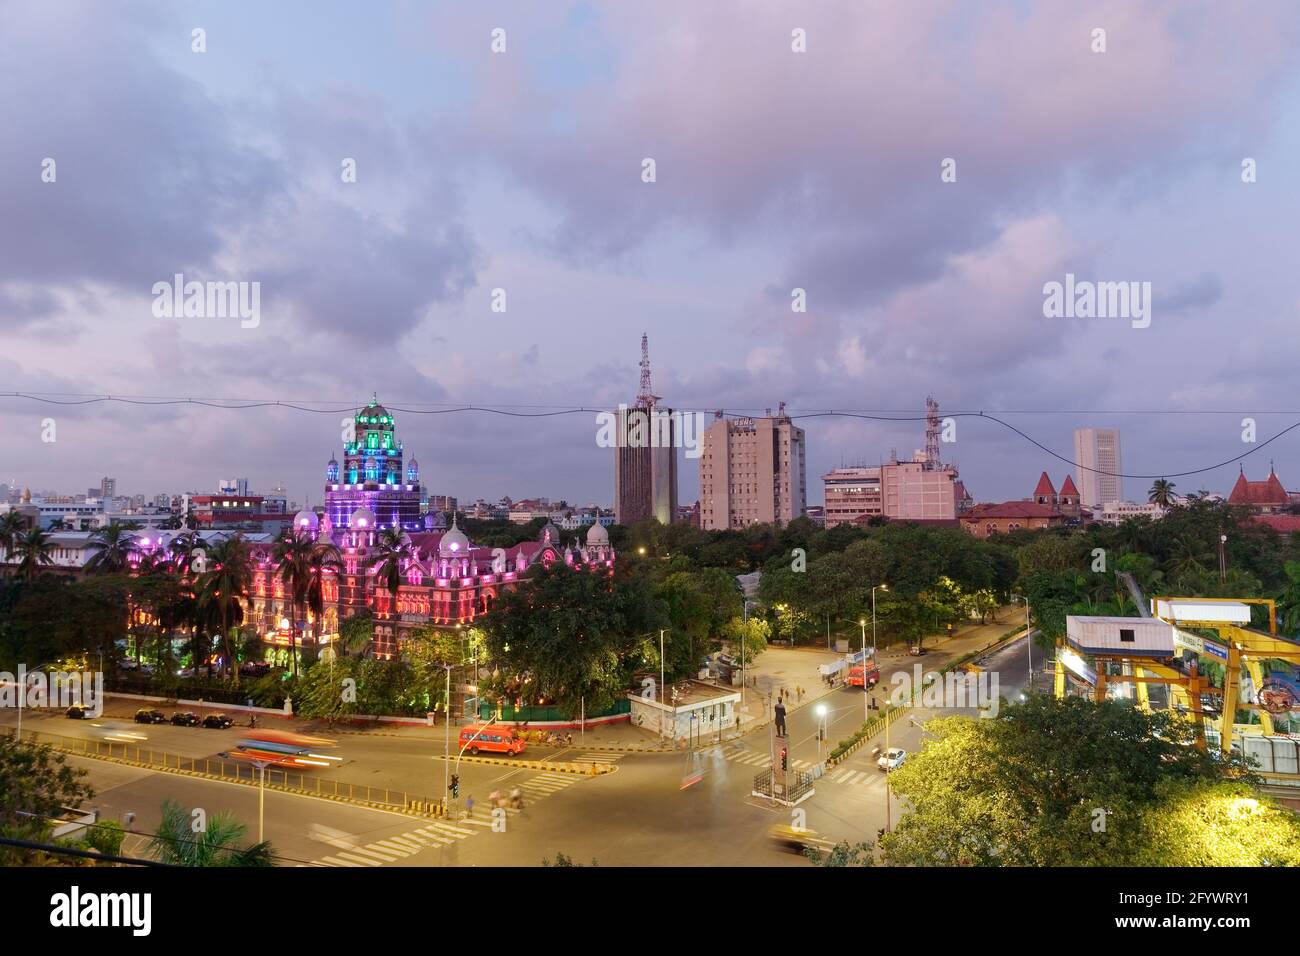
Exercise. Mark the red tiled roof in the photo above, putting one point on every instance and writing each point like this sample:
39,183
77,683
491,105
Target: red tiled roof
1044,486
1283,524
1267,492
1067,488
1011,509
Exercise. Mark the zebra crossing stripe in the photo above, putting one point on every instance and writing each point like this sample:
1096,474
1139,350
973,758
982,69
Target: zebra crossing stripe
433,837
366,851
473,821
391,847
454,830
405,841
840,774
360,860
335,861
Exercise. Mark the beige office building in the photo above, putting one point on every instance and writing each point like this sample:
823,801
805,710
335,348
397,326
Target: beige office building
752,472
1098,448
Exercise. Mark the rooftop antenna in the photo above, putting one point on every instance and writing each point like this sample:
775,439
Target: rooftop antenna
931,432
646,397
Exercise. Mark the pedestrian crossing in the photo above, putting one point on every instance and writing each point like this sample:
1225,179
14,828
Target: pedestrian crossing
851,777
436,834
605,758
759,759
750,758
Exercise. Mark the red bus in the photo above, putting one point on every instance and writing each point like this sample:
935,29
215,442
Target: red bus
493,739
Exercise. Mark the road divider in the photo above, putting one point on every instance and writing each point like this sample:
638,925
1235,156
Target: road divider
586,768
229,771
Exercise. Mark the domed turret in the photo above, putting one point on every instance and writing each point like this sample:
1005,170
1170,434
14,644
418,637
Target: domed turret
412,471
597,536
306,522
363,519
550,535
454,542
332,469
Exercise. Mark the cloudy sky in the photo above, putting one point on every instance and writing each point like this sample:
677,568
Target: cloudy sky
522,170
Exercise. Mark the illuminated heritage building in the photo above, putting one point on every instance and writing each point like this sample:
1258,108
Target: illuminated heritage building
446,580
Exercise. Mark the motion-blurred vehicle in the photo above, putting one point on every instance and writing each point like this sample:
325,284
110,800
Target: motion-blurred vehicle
916,650
146,716
279,748
128,664
892,758
254,668
217,721
186,718
798,839
78,712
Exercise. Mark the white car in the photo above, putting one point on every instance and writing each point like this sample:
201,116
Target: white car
892,758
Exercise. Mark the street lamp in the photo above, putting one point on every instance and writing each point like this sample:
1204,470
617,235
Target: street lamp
878,587
661,687
1029,638
446,744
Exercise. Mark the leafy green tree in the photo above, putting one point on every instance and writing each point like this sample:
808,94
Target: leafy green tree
1045,783
844,854
35,785
293,557
1199,823
215,845
570,635
747,637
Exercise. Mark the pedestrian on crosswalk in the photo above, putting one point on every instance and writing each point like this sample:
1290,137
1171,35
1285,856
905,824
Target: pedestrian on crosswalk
469,807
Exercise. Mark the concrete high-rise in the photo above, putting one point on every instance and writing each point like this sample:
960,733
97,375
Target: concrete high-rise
645,456
752,472
1097,450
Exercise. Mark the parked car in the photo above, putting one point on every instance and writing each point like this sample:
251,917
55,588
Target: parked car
128,664
218,721
186,718
916,650
892,758
254,668
78,712
146,716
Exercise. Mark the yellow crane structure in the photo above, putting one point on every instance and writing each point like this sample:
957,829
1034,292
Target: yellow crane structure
1146,650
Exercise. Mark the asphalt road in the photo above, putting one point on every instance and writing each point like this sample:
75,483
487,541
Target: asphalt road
649,812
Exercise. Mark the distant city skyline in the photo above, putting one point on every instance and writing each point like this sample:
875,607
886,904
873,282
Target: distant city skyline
851,227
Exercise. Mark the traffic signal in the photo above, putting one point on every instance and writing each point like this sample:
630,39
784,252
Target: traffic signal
784,761
455,785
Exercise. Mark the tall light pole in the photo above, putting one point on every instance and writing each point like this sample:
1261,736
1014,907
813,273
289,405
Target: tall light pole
1029,639
866,709
446,742
661,686
878,587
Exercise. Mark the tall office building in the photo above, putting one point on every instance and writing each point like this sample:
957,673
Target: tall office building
108,488
1098,448
752,472
645,456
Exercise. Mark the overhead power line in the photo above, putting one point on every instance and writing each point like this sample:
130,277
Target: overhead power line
552,411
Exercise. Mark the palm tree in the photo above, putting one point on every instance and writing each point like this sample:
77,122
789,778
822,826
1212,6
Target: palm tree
113,546
32,549
217,844
12,526
324,557
183,547
1162,493
224,586
392,554
293,554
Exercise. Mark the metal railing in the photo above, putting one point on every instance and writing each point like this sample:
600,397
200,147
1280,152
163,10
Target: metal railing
238,771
